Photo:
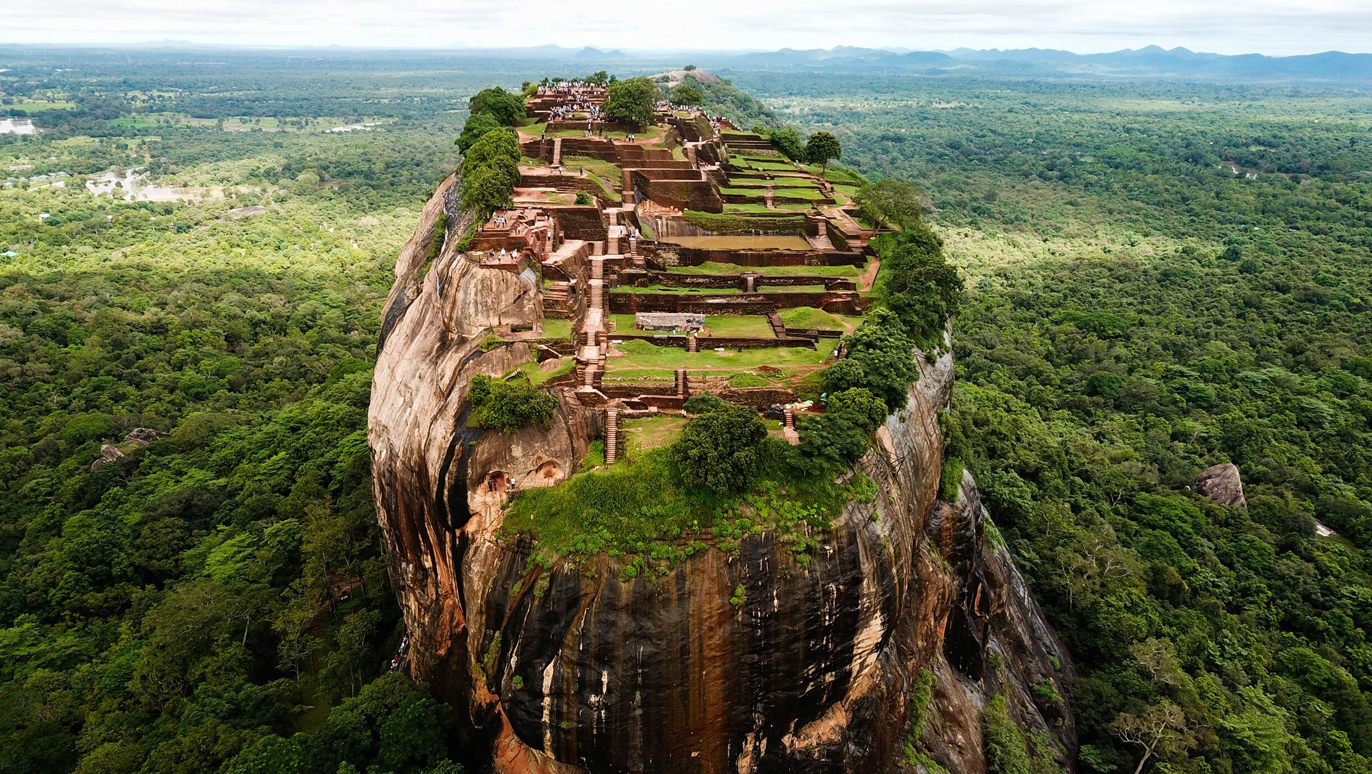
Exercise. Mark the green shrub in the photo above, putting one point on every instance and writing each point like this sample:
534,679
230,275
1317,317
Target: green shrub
787,142
703,403
951,480
921,694
917,283
686,94
509,406
838,437
880,359
1003,740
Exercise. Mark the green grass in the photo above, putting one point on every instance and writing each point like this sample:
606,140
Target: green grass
40,106
728,269
599,171
800,193
537,376
647,134
746,326
642,508
768,166
640,356
792,289
749,379
623,323
806,317
733,223
651,432
736,208
557,328
668,289
640,374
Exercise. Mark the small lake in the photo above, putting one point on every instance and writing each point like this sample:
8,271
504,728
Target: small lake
133,187
17,126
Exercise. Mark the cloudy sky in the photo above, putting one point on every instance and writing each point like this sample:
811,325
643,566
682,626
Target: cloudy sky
1223,26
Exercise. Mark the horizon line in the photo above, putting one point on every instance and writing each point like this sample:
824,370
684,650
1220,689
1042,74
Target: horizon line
625,51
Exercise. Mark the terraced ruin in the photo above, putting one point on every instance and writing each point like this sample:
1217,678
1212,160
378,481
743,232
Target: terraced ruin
584,600
698,259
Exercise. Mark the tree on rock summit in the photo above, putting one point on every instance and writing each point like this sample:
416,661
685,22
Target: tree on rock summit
631,101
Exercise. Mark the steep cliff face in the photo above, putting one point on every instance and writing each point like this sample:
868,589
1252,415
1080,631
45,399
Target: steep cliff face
566,667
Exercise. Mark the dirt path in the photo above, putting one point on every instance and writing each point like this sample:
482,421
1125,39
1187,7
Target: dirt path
869,276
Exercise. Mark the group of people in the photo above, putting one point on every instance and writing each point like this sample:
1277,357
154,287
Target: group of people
505,255
568,87
493,482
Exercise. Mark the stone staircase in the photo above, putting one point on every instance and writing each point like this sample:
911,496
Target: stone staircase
611,436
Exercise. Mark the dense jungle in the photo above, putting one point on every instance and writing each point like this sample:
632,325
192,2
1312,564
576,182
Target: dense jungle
1160,276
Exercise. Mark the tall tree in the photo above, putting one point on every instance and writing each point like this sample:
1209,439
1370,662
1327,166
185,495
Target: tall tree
631,101
823,148
505,107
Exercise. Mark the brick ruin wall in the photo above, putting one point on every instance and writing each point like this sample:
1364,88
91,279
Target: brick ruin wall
583,223
681,194
641,278
666,254
735,304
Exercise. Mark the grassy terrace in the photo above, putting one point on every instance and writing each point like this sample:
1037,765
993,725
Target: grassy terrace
537,376
715,291
714,268
537,129
779,222
557,328
640,506
608,175
776,182
768,166
750,208
743,326
807,317
800,193
643,360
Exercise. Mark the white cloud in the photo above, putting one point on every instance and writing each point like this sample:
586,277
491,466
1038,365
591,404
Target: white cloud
1265,26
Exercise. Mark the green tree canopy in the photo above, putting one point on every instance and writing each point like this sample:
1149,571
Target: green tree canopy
890,202
505,107
721,448
822,148
509,406
490,171
478,124
632,101
917,283
686,94
787,141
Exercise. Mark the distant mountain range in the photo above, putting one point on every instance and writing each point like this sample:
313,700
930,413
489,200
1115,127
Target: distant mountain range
1152,61
1330,68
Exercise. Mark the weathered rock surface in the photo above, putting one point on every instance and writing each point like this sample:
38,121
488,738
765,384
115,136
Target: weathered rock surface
1222,485
568,668
108,453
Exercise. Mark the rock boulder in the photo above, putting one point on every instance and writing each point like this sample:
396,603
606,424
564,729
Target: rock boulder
1222,485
